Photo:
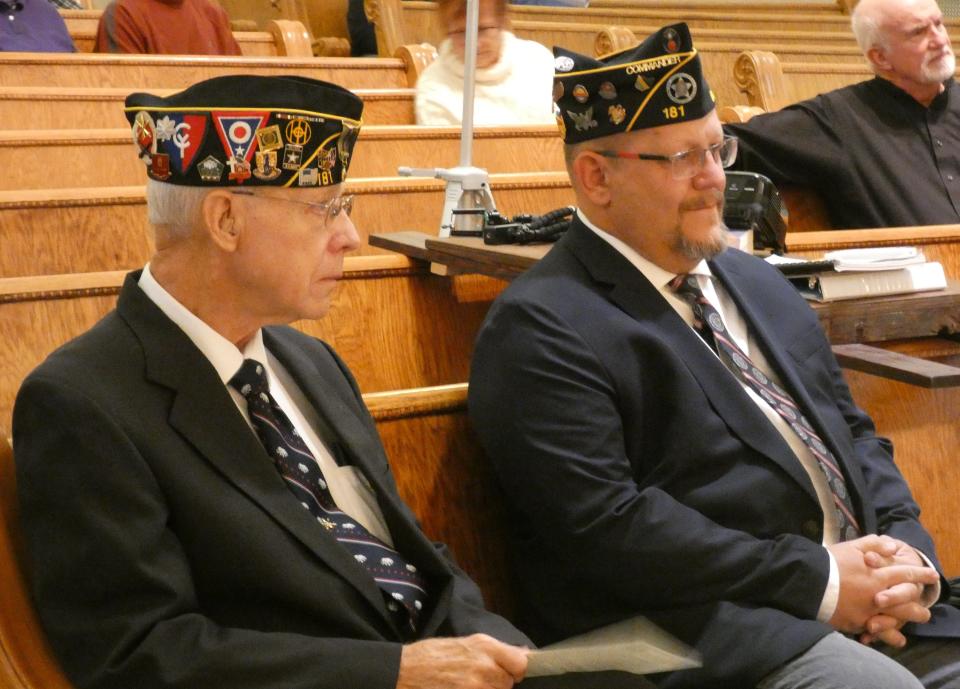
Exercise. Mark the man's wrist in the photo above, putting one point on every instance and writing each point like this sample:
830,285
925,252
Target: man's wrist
831,595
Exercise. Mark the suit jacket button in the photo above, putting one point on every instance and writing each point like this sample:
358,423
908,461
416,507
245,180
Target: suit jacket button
811,529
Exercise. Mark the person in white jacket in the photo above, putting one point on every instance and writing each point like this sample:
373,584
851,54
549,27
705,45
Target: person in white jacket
513,75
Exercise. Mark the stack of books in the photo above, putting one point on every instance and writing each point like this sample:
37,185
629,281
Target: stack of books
856,273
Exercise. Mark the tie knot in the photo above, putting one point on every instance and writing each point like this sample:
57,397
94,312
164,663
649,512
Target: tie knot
251,379
686,286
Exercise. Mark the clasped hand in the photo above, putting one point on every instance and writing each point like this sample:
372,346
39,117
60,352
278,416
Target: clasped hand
881,586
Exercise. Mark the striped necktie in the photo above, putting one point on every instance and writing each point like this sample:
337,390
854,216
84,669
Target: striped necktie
403,587
709,325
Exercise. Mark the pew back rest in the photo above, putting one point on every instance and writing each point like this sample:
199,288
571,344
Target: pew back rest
443,475
26,661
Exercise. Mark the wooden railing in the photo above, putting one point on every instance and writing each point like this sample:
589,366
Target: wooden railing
92,70
45,107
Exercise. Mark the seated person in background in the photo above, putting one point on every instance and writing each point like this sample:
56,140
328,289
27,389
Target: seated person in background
165,27
880,153
672,432
363,38
513,75
33,26
204,498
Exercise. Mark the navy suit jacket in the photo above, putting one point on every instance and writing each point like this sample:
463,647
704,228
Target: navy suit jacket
641,477
164,549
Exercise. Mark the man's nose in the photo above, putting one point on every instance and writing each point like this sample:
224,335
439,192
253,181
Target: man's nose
711,174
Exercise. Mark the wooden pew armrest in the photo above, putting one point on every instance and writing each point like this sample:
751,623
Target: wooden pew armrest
896,366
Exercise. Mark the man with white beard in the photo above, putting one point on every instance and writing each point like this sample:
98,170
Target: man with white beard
879,153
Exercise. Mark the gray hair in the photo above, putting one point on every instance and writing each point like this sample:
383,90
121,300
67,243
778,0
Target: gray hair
174,210
866,27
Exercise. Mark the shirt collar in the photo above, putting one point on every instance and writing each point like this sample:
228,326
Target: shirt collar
894,91
225,357
658,277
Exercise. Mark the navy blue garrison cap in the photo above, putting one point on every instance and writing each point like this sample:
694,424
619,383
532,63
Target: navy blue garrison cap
282,131
659,81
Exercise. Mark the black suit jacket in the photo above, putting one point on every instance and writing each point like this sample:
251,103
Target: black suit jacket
164,548
643,479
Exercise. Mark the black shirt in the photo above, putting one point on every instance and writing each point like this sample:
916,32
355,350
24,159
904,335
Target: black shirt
876,156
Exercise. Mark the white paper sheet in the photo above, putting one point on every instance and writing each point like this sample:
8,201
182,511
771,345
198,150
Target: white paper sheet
635,645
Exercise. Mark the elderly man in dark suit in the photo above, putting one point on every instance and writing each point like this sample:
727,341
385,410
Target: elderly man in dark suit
672,431
205,501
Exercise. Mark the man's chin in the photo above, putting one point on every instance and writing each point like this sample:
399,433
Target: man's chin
703,234
940,70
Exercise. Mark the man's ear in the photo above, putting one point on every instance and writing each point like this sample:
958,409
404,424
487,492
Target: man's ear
593,172
222,219
877,58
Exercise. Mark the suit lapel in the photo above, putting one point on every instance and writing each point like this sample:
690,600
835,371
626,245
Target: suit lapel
785,367
204,413
634,294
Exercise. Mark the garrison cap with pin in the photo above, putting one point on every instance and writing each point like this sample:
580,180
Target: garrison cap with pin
282,131
659,81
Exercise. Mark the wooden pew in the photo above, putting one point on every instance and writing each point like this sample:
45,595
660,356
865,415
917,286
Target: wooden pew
73,70
43,107
105,157
440,471
279,37
81,21
421,22
26,661
83,230
769,82
399,23
444,476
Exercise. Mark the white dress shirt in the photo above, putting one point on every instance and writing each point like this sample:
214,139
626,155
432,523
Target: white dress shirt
347,485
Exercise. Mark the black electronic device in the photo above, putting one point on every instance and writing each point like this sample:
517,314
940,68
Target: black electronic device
525,228
752,202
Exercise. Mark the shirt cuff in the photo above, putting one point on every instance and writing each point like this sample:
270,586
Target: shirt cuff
931,592
828,605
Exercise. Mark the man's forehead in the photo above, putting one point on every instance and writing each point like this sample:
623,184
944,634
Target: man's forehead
911,14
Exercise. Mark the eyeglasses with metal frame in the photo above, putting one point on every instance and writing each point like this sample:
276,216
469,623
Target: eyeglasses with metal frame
686,164
328,209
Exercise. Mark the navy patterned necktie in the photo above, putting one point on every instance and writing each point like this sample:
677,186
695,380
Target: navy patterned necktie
403,587
709,325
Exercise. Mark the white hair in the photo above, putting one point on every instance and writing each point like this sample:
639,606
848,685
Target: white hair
865,22
174,210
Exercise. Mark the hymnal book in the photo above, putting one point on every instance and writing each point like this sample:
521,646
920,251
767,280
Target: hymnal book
872,259
831,286
635,645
